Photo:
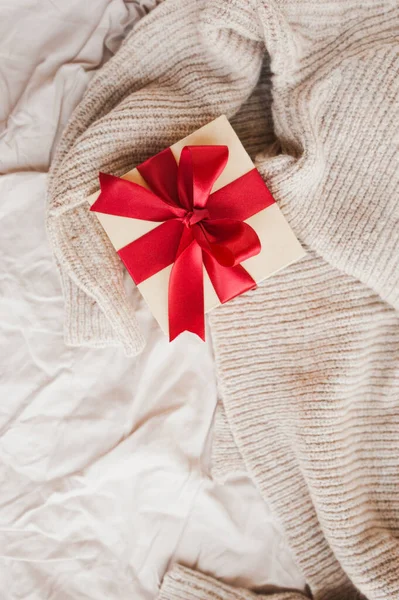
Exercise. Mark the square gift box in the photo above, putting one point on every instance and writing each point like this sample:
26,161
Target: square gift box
233,180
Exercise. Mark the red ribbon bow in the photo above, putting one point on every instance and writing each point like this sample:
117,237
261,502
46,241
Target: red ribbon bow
198,228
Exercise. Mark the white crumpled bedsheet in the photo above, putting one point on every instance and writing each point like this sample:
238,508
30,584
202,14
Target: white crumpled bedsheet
103,459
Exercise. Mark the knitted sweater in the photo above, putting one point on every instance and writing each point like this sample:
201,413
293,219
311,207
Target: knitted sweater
307,363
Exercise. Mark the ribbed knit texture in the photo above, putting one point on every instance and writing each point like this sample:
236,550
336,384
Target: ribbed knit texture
227,460
317,420
307,363
184,584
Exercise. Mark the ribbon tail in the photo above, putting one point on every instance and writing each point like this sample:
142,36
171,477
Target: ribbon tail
228,282
186,291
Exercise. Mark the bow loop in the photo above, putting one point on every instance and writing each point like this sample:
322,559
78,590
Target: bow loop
128,199
199,168
229,241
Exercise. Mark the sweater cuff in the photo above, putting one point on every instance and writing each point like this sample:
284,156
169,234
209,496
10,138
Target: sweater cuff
87,325
182,583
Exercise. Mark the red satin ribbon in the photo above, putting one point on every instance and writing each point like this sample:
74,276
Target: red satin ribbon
198,228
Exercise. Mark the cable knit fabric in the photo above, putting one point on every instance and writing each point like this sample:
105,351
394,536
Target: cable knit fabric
307,363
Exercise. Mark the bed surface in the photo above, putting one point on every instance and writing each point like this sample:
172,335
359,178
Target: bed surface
104,460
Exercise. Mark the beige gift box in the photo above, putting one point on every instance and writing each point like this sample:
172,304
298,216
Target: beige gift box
280,247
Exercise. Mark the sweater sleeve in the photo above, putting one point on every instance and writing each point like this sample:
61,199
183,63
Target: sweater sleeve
86,324
182,583
148,96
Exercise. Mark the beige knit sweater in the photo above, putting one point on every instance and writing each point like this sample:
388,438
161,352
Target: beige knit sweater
308,364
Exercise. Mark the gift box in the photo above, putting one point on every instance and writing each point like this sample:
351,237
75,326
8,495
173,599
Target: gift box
195,226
